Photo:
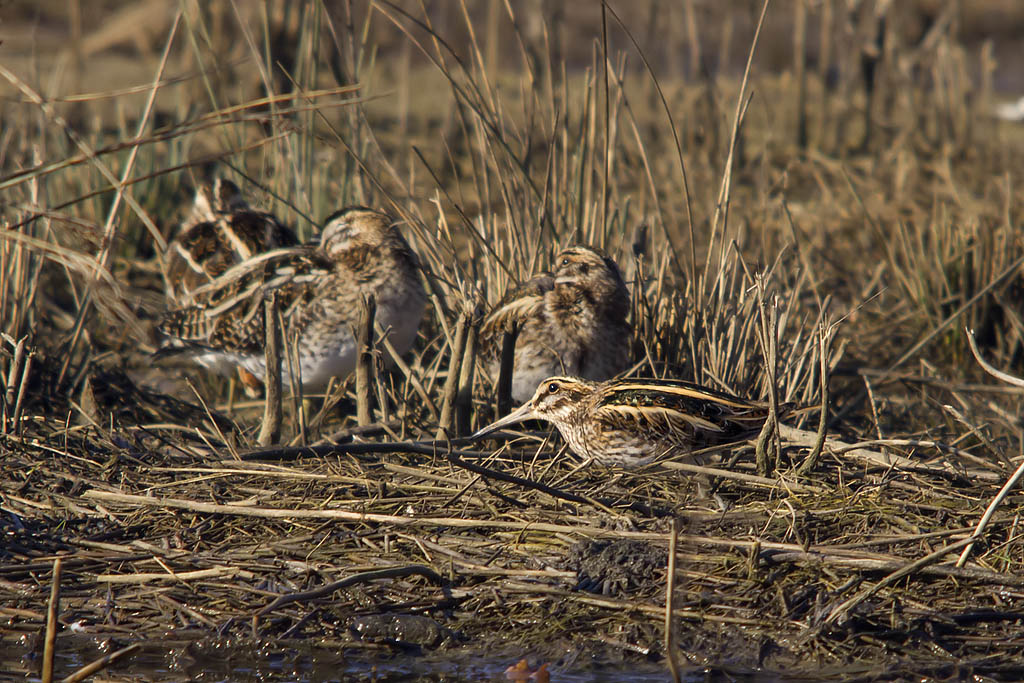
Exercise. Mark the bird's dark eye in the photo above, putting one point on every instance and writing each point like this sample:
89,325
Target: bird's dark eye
565,261
552,388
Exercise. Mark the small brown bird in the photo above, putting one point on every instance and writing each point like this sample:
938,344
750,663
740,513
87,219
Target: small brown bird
571,323
631,422
222,230
319,286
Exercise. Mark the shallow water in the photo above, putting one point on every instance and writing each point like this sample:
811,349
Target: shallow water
247,661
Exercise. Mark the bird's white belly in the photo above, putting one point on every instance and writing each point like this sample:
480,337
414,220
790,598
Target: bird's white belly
221,362
319,368
316,365
402,323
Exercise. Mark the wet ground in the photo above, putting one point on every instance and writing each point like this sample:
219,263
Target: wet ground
228,660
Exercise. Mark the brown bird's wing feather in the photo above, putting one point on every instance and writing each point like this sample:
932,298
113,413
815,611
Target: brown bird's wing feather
213,198
228,314
208,249
683,407
519,304
194,257
257,231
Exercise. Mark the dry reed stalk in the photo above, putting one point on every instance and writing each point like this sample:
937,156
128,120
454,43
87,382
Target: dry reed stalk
826,38
506,367
20,269
825,335
769,338
344,515
754,480
988,367
410,376
14,386
670,585
990,511
270,428
386,393
839,611
1017,474
467,370
997,280
721,214
695,61
52,610
800,69
168,576
23,386
451,385
606,156
291,352
671,237
364,361
88,153
355,579
100,664
213,422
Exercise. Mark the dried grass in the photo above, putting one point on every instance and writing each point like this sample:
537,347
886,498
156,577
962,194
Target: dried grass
892,230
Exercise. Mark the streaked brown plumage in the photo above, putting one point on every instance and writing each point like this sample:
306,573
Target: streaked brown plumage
215,198
221,231
319,288
631,422
571,323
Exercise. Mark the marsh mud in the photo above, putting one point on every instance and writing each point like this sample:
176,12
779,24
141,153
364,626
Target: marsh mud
204,659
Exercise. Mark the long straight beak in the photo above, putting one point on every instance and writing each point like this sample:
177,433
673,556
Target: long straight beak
523,412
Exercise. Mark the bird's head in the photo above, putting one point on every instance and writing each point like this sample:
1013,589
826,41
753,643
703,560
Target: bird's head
590,269
554,401
357,228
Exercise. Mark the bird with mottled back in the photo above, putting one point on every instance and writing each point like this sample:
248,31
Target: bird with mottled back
222,230
574,322
319,288
631,422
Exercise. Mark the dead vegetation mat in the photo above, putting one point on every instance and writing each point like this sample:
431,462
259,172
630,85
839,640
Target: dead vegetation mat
373,543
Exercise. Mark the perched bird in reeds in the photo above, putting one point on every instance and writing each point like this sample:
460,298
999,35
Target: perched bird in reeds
631,422
574,322
221,231
319,288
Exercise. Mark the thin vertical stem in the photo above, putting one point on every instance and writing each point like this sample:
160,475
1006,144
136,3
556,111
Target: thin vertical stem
824,339
295,375
464,398
121,194
824,65
607,127
364,362
693,38
52,610
800,70
506,368
769,325
270,430
670,581
451,384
